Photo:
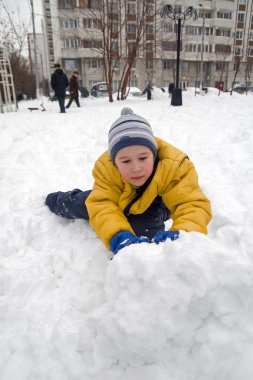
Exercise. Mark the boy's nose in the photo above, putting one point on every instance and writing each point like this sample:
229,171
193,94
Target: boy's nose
136,167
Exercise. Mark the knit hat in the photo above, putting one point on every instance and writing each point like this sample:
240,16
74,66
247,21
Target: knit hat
128,130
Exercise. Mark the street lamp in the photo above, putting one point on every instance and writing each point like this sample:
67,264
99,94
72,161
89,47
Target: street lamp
202,49
179,18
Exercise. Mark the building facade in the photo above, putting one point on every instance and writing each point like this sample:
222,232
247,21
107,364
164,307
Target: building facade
216,49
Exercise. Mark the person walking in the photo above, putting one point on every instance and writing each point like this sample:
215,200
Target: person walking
73,90
148,90
59,83
171,88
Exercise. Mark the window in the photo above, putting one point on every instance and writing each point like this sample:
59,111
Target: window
240,17
237,51
94,63
67,3
191,48
169,46
149,28
197,30
251,35
114,7
90,23
250,52
223,32
191,30
131,28
185,66
69,43
149,10
222,49
149,63
114,45
92,44
134,83
220,66
115,27
69,23
71,64
115,63
242,1
239,35
149,46
167,65
131,9
168,28
224,14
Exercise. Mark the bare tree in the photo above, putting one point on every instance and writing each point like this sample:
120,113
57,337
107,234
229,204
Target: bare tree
13,36
237,62
122,39
222,54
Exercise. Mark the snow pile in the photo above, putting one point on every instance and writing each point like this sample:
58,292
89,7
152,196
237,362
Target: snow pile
179,310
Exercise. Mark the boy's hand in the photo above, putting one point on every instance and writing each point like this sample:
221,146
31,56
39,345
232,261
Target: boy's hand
164,235
123,239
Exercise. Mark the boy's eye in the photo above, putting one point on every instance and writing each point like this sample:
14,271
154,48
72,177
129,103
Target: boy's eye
125,161
143,158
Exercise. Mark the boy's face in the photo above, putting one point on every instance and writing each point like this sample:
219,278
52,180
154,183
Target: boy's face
135,164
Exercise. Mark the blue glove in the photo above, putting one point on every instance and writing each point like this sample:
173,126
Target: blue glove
164,235
123,239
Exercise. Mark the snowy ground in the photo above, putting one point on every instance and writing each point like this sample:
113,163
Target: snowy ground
182,310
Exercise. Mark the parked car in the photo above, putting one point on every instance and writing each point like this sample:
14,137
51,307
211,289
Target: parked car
99,89
242,88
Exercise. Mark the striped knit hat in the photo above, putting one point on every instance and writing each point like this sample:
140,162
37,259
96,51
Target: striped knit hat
130,129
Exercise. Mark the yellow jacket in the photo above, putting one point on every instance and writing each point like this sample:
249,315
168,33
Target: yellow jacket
175,180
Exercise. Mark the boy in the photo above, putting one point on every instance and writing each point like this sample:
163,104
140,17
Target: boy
140,182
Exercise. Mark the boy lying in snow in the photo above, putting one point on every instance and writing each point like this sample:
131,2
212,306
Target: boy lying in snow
140,182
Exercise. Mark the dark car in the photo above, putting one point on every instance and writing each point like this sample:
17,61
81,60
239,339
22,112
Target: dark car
242,88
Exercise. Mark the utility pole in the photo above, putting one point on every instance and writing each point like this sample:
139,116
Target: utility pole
35,54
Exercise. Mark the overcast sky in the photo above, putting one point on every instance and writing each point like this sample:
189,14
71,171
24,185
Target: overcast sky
22,9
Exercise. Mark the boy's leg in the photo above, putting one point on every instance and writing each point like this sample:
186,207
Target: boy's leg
70,205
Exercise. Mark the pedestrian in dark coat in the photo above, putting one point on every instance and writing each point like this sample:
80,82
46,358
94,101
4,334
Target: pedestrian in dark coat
59,83
148,90
73,90
171,88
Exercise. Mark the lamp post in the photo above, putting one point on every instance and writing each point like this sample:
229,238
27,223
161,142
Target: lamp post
179,18
202,50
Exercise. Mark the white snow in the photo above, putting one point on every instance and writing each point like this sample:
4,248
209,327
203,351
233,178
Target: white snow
179,310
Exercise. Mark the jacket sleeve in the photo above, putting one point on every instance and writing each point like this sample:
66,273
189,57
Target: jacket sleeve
105,216
190,208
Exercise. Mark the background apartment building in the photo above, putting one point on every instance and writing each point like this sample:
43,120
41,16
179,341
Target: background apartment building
220,41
